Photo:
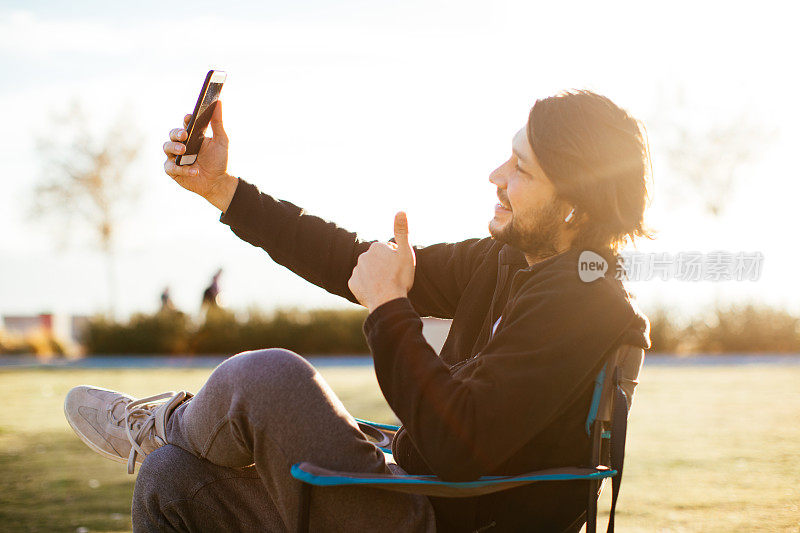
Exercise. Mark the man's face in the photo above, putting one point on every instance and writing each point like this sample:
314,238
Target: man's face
527,217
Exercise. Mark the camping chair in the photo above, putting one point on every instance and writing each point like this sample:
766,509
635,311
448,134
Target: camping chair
606,425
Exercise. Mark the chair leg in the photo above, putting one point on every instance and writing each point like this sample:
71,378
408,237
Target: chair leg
303,508
591,508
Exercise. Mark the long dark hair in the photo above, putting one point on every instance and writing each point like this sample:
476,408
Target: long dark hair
597,157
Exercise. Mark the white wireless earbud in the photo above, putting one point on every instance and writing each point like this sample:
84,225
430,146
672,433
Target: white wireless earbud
571,214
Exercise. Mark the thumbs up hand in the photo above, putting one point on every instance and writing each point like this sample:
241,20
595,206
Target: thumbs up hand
385,271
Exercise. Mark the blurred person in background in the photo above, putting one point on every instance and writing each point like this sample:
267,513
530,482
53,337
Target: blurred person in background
167,304
211,294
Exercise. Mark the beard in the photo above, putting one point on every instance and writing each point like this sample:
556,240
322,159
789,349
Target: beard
535,233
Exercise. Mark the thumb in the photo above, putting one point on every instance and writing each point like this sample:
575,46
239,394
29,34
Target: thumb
401,234
216,123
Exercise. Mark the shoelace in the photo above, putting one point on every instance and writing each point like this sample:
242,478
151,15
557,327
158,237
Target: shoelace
138,413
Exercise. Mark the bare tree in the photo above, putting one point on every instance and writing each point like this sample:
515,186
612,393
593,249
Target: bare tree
706,152
85,180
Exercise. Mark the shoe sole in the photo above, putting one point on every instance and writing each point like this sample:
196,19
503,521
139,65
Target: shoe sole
92,445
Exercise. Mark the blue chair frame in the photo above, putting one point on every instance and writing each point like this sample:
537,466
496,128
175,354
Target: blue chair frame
606,425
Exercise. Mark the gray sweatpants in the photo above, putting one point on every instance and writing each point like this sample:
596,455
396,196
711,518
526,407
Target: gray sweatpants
226,467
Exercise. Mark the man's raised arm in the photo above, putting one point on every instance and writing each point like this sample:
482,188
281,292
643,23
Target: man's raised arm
315,249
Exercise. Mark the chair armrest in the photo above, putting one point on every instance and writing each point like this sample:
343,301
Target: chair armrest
433,486
384,427
381,433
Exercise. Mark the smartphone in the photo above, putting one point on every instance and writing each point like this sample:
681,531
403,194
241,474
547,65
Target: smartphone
201,116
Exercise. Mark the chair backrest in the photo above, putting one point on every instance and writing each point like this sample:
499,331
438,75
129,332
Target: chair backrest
618,379
627,360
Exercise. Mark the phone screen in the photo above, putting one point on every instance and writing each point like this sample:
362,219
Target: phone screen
203,110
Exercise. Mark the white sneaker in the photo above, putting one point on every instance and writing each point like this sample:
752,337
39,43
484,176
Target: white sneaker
119,426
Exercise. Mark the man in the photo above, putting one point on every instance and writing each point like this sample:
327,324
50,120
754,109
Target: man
509,393
211,293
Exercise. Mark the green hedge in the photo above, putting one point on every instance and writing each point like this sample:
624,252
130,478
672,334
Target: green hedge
743,328
162,333
748,328
317,332
736,329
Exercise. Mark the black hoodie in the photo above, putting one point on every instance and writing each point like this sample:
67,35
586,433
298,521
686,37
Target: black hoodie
493,403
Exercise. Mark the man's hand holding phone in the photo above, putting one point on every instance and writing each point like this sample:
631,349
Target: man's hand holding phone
208,175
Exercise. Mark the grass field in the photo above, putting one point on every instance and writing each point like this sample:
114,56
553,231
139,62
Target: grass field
709,448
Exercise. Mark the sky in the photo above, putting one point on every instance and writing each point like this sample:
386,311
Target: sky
354,110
